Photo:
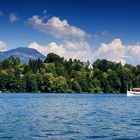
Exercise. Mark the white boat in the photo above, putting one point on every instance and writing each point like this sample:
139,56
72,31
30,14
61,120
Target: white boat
133,92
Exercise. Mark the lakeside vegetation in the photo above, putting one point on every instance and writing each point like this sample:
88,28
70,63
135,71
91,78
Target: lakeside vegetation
58,75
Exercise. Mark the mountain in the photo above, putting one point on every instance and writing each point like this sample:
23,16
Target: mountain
23,53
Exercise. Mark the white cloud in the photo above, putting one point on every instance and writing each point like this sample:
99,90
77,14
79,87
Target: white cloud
2,46
74,43
51,47
13,18
60,29
113,51
75,50
133,54
73,39
118,52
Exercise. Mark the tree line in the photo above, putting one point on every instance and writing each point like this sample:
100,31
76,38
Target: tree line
57,75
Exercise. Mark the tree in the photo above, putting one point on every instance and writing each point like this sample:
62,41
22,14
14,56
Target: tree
114,81
96,85
3,80
58,75
75,86
50,68
52,58
48,82
31,82
60,84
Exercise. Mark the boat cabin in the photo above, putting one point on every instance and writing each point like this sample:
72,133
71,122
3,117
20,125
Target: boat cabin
135,89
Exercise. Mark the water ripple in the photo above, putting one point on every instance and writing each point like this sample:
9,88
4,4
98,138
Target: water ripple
69,117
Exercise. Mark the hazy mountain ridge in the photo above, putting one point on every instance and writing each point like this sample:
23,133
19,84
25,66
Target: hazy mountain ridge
23,53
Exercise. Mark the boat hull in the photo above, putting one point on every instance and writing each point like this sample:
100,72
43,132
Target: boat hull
133,93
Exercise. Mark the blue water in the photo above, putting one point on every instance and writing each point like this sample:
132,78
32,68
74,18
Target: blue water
69,117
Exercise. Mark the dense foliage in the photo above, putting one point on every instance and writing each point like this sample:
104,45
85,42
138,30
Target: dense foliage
56,74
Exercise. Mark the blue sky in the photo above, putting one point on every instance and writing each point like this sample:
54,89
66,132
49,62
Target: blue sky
103,21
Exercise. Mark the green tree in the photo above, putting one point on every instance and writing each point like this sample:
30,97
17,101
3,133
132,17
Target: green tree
31,82
75,86
52,58
60,84
48,82
3,80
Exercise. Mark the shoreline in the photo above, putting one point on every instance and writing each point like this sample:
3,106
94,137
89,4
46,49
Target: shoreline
58,93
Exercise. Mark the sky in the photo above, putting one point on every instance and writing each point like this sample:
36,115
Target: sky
81,29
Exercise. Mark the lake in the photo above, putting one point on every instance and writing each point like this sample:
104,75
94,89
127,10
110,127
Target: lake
69,117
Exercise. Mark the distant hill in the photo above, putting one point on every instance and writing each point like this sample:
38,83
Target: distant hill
23,53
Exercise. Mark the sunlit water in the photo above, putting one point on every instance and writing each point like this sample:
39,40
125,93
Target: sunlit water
69,117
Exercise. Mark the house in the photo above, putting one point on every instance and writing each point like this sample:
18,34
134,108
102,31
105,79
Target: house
88,65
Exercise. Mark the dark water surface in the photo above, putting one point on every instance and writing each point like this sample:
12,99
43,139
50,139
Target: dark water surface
69,117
